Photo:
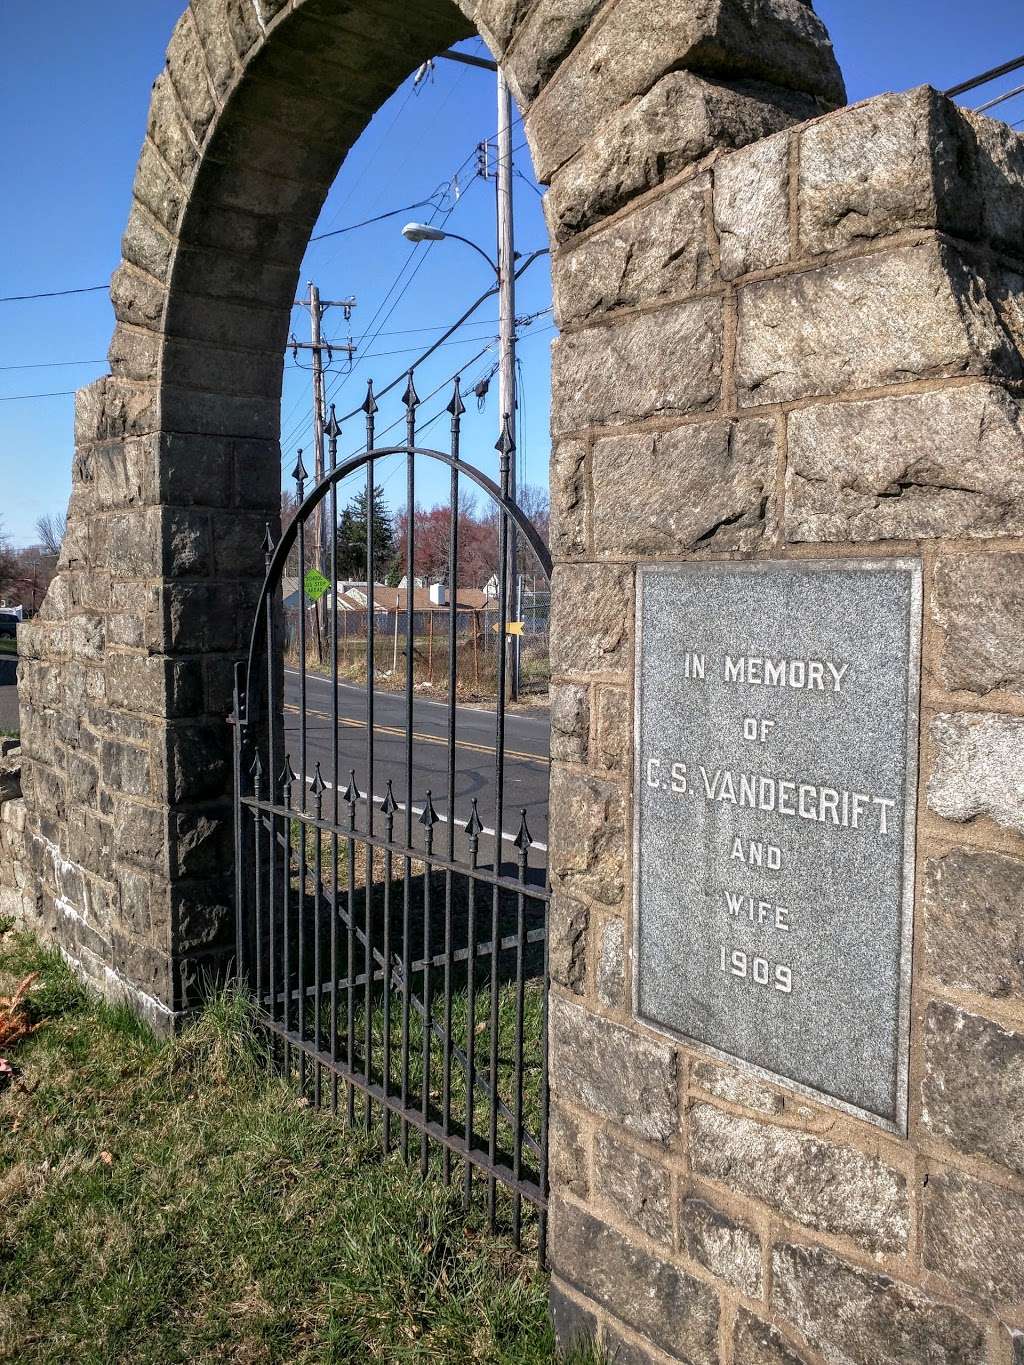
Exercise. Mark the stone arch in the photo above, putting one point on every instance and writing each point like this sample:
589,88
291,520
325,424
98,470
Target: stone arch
125,677
782,336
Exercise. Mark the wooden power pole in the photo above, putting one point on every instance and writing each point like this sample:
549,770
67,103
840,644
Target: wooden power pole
507,337
317,346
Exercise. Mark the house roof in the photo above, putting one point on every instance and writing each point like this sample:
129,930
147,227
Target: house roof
353,598
395,599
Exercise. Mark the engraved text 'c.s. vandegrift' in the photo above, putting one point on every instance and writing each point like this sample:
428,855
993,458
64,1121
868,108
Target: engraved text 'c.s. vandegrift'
772,820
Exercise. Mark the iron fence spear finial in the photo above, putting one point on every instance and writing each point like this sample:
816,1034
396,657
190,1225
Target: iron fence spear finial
332,430
268,547
474,825
429,817
299,473
524,839
456,406
505,445
287,777
318,788
369,406
350,796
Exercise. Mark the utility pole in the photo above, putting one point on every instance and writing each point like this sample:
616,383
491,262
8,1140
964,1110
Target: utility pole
317,307
316,345
507,333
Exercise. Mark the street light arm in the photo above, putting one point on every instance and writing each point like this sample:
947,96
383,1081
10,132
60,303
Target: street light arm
478,249
533,256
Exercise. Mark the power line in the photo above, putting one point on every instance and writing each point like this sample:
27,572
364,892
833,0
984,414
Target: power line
985,77
408,284
52,364
367,222
1000,99
340,380
527,181
21,397
402,376
408,350
297,430
464,389
397,170
287,441
371,159
54,294
436,327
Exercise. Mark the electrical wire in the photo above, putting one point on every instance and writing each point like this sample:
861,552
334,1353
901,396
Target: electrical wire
54,294
434,327
453,327
409,350
527,181
21,397
52,364
339,384
465,390
1000,99
368,222
298,430
372,157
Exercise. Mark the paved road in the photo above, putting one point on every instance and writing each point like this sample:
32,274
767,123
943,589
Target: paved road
526,753
8,694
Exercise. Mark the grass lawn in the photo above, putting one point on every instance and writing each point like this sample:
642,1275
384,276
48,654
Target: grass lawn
172,1201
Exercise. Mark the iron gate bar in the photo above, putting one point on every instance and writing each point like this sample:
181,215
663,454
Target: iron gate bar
505,448
456,408
308,502
533,890
456,1142
527,890
296,1011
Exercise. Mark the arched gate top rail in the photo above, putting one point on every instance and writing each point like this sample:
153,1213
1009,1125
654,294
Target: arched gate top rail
279,558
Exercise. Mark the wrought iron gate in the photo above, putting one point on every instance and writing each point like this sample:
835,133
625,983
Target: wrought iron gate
396,944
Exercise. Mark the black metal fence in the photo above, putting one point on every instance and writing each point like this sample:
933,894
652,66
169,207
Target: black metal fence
396,943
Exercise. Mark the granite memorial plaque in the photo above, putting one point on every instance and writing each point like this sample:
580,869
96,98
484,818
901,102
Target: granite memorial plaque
776,771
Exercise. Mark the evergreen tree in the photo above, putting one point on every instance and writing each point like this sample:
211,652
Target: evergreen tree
352,537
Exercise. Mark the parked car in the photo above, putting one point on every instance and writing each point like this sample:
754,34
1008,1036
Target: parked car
9,623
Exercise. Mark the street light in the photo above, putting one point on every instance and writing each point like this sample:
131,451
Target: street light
424,232
505,273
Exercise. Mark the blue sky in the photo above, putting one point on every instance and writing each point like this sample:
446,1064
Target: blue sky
74,85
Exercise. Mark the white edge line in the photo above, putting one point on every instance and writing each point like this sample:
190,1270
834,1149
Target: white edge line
418,810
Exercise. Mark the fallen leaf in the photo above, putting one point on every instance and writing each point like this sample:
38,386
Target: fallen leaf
15,1023
106,1158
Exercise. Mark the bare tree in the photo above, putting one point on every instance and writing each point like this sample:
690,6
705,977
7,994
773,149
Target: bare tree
51,531
8,563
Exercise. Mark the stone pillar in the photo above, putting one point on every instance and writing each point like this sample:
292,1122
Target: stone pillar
126,674
17,898
806,348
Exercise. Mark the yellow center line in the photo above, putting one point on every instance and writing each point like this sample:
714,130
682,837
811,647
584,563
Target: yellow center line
399,733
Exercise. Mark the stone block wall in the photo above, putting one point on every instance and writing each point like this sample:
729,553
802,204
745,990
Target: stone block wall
125,675
783,335
17,892
807,347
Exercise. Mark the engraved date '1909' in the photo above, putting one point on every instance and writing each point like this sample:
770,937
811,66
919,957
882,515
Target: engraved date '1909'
756,970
